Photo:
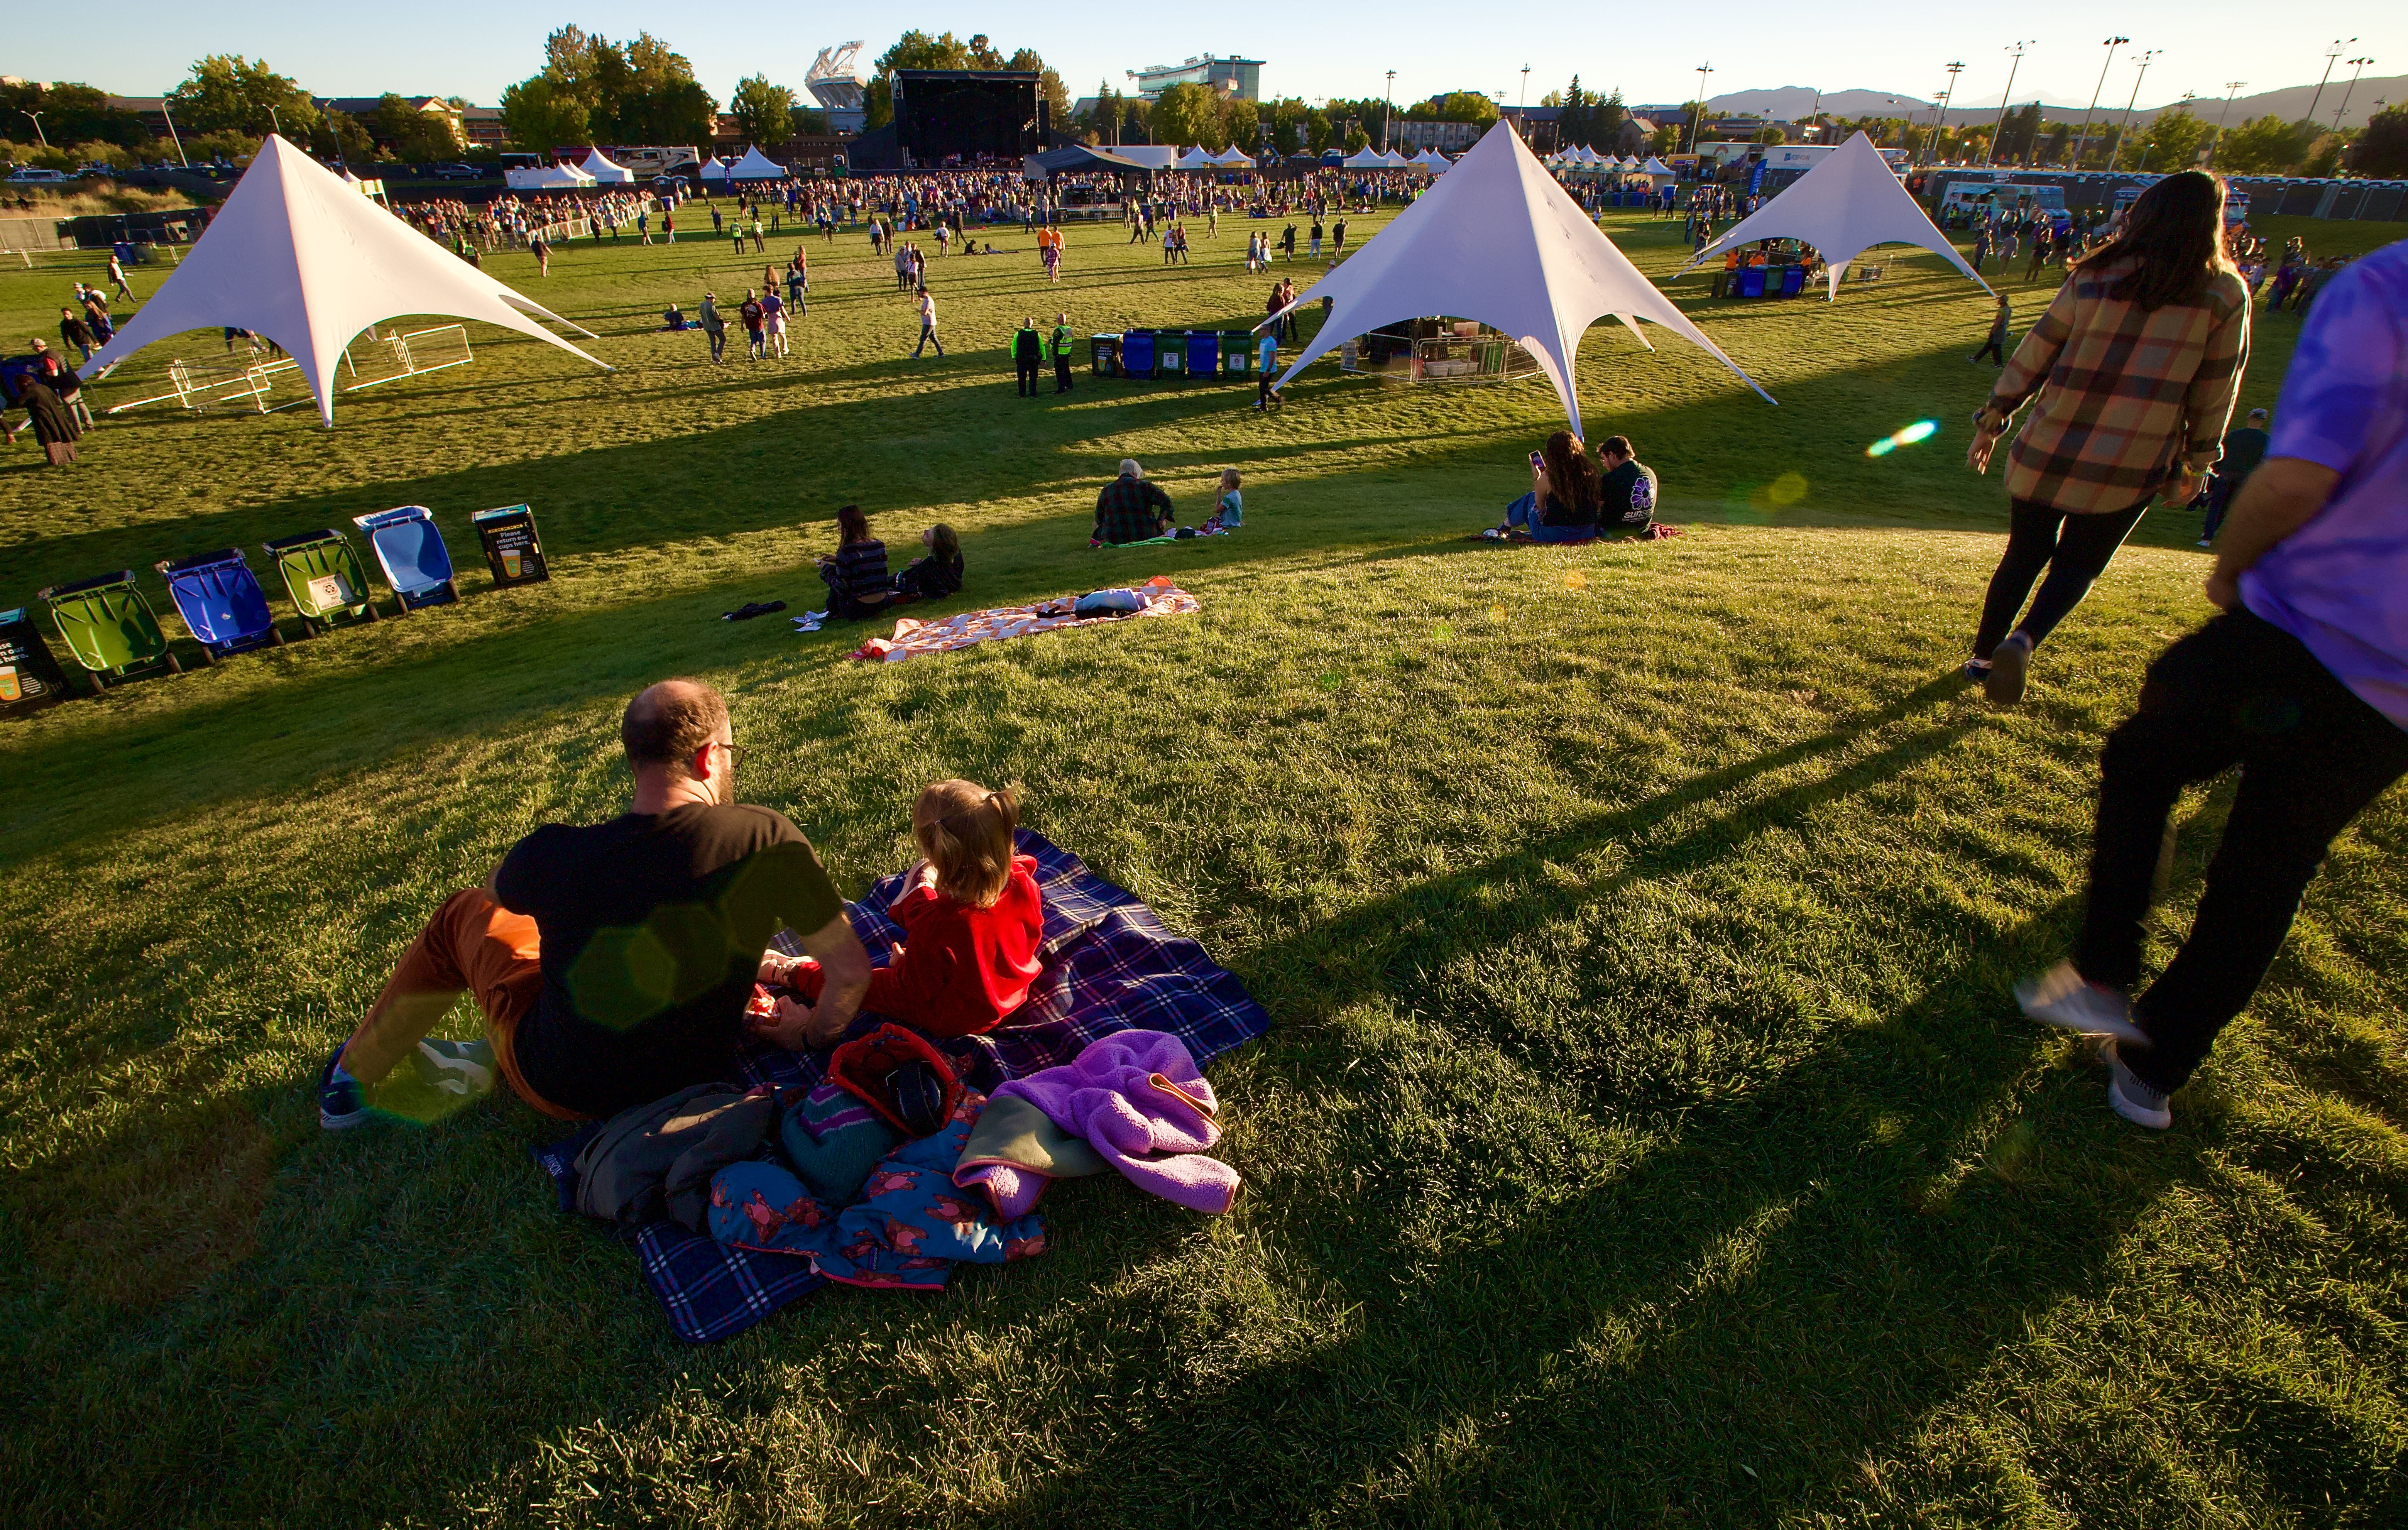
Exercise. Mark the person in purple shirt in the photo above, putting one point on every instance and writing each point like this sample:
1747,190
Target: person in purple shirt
2302,683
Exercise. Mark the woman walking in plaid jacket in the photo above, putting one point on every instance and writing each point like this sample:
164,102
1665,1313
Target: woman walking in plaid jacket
2135,363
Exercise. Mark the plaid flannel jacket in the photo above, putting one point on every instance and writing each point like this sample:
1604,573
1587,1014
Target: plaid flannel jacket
1131,510
2127,396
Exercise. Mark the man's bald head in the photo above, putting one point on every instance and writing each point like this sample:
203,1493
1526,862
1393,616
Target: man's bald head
668,723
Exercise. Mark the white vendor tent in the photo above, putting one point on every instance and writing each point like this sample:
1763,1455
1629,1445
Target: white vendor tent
1231,155
713,168
599,167
546,177
1365,158
1154,156
755,166
297,256
1658,174
1844,206
1502,244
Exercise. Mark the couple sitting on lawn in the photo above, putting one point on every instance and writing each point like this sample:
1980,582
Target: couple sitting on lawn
1573,499
615,961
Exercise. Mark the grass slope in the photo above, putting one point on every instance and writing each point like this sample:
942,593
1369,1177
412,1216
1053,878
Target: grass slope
1646,1134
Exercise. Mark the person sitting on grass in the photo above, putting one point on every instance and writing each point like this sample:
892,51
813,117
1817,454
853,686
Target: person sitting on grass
614,960
1132,508
972,920
1626,491
856,575
1562,503
937,573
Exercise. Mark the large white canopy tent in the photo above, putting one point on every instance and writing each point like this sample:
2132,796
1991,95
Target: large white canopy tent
1154,156
298,256
755,166
546,177
1365,158
602,168
713,168
1843,206
1231,155
1497,241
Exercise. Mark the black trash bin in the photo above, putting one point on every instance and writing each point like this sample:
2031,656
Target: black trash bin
30,679
512,551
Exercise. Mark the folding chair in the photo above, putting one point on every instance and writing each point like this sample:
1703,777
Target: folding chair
411,552
324,578
109,627
221,604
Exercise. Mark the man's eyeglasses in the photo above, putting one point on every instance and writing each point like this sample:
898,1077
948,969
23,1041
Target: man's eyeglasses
736,754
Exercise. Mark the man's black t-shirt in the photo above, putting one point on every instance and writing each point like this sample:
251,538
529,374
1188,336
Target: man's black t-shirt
653,927
1629,495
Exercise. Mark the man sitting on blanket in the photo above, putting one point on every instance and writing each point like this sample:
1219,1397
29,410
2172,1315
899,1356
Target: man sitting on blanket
1132,507
614,960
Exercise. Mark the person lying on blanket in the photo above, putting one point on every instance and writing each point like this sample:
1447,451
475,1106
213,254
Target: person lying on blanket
614,960
971,915
1132,507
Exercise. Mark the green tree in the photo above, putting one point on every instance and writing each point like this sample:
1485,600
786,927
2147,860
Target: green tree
409,134
542,115
1050,88
2264,145
1289,116
1318,132
229,94
1771,135
2381,148
763,113
340,136
1241,123
2171,143
2019,134
1185,115
71,114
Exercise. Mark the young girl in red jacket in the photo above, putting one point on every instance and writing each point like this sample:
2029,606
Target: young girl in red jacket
971,918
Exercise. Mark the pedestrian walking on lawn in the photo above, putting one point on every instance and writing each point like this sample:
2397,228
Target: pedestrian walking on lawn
1995,347
2135,365
927,326
2302,684
714,327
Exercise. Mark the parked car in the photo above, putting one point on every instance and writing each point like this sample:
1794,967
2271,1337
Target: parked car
33,175
458,172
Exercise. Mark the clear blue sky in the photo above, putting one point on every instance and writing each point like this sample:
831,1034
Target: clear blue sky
454,48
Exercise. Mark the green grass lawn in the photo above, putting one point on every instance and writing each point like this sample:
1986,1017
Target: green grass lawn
1646,1134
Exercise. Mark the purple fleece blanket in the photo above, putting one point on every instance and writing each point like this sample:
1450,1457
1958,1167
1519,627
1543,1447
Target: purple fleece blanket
1109,966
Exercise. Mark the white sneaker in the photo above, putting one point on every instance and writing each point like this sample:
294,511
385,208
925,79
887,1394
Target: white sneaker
465,1069
2133,1100
2066,999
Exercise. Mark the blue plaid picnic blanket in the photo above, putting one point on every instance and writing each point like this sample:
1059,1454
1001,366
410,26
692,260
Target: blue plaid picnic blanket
1109,965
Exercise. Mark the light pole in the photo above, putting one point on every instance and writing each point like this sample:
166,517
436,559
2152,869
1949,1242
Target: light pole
2357,66
2340,46
2001,131
1940,113
1698,117
2083,142
2231,89
2146,59
38,127
173,136
1523,103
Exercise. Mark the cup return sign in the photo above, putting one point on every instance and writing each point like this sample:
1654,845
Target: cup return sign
512,551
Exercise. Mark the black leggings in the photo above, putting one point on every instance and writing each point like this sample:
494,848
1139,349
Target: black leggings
2074,549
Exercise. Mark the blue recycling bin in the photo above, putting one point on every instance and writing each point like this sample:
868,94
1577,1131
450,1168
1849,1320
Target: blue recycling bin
1751,282
1793,280
1204,354
1137,354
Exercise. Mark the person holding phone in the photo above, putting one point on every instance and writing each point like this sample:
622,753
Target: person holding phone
1564,497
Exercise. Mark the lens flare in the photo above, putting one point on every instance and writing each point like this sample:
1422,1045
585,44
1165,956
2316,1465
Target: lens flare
1920,431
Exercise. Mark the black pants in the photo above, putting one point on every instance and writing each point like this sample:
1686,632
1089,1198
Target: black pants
2076,550
1264,397
1994,349
1026,372
2240,690
1061,374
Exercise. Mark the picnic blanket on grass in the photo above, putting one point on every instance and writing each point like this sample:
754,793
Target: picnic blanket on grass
1109,965
914,638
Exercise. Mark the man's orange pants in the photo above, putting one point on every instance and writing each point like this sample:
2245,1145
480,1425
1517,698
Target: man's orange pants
472,945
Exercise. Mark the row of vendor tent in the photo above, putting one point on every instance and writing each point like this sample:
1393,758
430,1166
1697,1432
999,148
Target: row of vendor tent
599,169
113,635
1081,157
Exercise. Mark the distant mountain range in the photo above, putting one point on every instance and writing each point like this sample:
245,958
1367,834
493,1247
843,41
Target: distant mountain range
1791,102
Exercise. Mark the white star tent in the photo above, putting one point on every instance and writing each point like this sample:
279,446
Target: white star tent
1499,242
1844,206
601,168
298,256
755,166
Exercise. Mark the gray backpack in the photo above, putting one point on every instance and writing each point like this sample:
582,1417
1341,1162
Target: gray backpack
656,1160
